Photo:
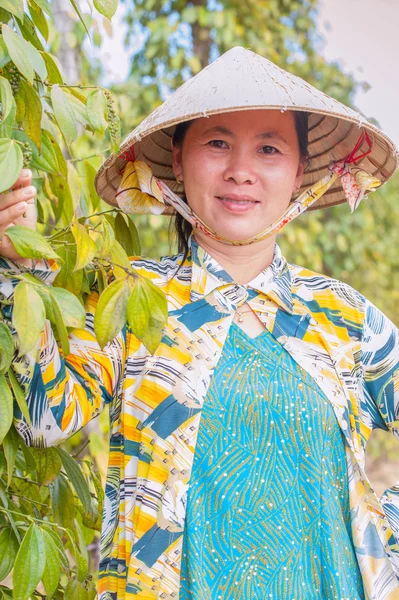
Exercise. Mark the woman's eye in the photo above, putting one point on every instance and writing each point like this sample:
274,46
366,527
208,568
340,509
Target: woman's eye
217,143
269,150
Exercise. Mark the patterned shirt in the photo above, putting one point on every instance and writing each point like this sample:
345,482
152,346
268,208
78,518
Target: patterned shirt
345,344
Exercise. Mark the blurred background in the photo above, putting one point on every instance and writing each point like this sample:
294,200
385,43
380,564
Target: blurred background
350,50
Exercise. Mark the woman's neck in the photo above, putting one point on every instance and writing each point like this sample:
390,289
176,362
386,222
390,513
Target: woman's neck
242,263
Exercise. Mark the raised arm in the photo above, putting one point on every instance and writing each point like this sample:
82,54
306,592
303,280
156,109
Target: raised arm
63,393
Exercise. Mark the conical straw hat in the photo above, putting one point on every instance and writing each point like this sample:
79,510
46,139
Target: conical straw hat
243,80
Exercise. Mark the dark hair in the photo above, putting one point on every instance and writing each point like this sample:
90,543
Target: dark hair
183,228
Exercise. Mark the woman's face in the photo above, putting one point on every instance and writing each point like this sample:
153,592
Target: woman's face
240,169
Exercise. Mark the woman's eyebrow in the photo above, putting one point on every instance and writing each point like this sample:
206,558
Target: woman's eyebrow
271,135
218,129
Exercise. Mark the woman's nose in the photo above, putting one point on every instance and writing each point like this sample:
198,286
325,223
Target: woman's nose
240,169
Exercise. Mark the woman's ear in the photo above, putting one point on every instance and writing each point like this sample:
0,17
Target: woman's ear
177,162
299,174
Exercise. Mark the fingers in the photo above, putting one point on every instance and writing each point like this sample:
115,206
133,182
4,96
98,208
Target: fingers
23,194
24,179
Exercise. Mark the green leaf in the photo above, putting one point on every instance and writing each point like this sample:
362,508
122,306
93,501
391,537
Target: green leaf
11,161
147,313
75,591
32,116
106,7
6,408
28,30
8,551
62,502
5,97
19,50
51,574
73,313
76,477
46,160
39,20
78,105
15,7
110,314
45,6
10,446
122,234
96,108
30,464
90,188
77,10
68,278
53,70
28,316
7,125
119,258
29,243
86,248
58,543
48,464
6,349
62,333
64,114
29,563
4,56
134,234
19,396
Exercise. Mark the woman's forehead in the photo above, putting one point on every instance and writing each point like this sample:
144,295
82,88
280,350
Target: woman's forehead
255,122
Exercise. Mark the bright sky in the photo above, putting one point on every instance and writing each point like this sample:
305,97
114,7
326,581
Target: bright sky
362,34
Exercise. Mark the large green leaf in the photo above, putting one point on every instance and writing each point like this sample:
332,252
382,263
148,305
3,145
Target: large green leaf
32,116
68,278
86,247
52,570
48,464
40,22
64,113
29,243
28,316
29,563
96,108
47,159
110,314
10,446
4,56
123,235
5,97
45,6
73,313
76,477
11,161
61,330
19,396
119,259
106,7
19,51
6,408
15,7
147,313
6,348
8,551
7,125
62,502
53,69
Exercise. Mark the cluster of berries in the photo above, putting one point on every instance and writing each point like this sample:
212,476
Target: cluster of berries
27,154
112,117
14,79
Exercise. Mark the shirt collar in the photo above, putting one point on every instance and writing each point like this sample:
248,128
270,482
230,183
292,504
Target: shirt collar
273,282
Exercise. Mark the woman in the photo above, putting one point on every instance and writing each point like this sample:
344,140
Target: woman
237,449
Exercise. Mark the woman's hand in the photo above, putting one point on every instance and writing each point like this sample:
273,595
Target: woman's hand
17,207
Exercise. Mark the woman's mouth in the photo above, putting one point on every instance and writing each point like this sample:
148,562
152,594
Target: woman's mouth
238,204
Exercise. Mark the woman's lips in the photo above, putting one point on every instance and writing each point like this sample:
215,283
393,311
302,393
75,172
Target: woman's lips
238,204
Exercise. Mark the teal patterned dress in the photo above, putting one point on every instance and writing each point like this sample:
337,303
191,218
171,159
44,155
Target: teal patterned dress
250,533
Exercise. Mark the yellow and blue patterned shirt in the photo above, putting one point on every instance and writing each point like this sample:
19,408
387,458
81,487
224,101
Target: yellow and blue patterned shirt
348,347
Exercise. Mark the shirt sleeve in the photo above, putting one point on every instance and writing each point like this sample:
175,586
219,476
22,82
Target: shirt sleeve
62,393
380,366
